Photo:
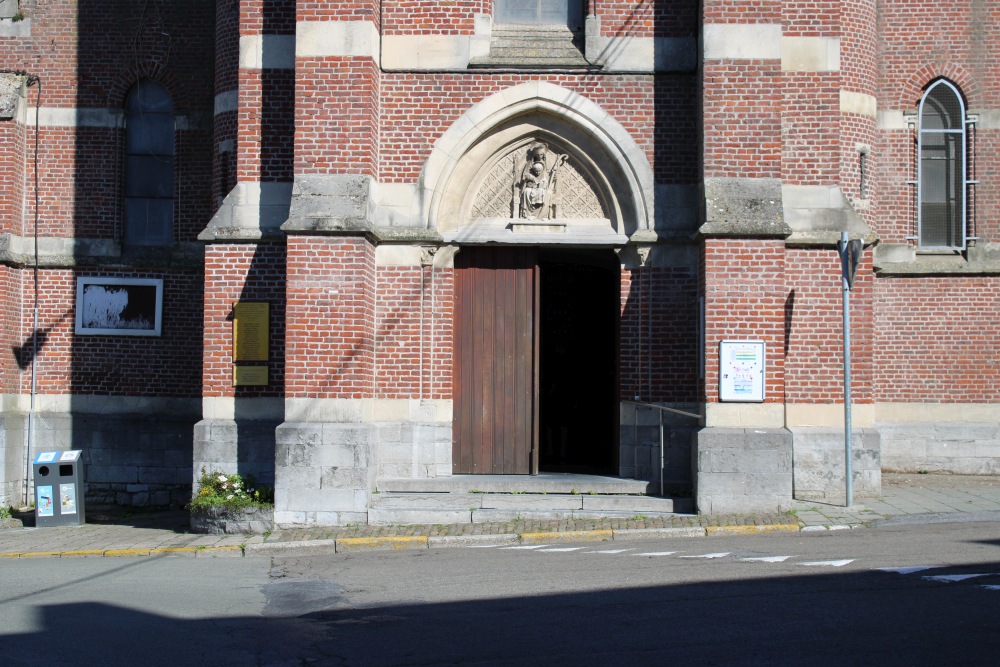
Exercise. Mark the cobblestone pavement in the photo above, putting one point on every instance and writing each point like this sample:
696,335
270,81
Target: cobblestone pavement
915,498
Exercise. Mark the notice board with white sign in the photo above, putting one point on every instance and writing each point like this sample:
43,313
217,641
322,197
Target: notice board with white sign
741,371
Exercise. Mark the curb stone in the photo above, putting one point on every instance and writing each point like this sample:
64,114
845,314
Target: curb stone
320,547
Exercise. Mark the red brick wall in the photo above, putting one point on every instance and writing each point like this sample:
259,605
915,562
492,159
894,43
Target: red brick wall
242,272
413,348
11,174
330,348
338,10
11,333
745,295
936,339
814,365
432,17
658,332
166,365
336,116
742,118
920,41
418,108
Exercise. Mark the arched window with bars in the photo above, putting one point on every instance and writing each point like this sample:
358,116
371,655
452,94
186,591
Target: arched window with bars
942,167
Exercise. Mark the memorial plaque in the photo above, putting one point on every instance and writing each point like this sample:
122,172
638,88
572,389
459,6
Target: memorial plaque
250,331
250,376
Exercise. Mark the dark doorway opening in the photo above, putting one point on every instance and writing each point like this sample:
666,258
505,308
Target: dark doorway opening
578,369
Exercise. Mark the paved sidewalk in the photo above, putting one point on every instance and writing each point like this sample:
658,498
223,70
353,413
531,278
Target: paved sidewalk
905,499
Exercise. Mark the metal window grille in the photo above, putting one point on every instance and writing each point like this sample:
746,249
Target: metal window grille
942,181
149,166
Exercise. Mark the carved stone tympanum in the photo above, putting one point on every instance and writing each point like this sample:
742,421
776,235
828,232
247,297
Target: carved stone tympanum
534,182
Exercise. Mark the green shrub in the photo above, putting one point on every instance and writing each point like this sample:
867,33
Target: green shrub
230,490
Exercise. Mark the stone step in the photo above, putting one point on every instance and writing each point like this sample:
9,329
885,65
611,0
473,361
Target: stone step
547,483
473,507
444,516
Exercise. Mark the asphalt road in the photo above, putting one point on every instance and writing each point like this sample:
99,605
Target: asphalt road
839,598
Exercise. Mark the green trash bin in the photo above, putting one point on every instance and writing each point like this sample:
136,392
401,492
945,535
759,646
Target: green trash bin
59,479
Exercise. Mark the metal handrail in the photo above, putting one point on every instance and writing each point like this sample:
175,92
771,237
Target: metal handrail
662,410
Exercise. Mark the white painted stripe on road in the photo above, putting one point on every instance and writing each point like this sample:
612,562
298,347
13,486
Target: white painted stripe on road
530,546
908,570
611,551
956,577
655,553
991,587
828,563
560,549
717,555
767,559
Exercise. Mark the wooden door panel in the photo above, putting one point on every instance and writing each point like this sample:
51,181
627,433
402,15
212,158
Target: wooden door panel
494,369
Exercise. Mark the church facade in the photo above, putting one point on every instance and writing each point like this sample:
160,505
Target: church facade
336,243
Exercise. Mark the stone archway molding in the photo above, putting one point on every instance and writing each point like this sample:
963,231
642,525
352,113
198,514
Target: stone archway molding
538,97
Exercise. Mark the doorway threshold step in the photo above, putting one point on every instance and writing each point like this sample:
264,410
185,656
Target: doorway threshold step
445,516
466,507
528,501
565,483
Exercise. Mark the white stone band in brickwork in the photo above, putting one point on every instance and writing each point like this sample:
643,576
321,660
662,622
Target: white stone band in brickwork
102,405
730,41
267,51
859,103
810,54
323,39
367,410
745,415
253,409
226,101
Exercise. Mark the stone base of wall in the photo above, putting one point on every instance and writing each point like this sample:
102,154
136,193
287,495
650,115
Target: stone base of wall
742,470
235,446
12,463
129,460
819,463
223,521
962,449
413,450
324,472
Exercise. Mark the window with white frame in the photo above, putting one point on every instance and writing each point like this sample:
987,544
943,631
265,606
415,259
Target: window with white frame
539,12
941,169
149,165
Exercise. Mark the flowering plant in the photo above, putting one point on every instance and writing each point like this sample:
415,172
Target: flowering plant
230,490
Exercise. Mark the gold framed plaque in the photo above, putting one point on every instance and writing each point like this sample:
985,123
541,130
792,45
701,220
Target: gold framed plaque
250,376
251,324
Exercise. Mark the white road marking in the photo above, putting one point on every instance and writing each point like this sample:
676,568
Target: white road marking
609,551
907,570
655,553
956,577
530,546
828,563
718,555
767,559
559,549
991,587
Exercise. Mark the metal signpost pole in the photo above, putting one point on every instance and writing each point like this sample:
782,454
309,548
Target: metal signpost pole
850,255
